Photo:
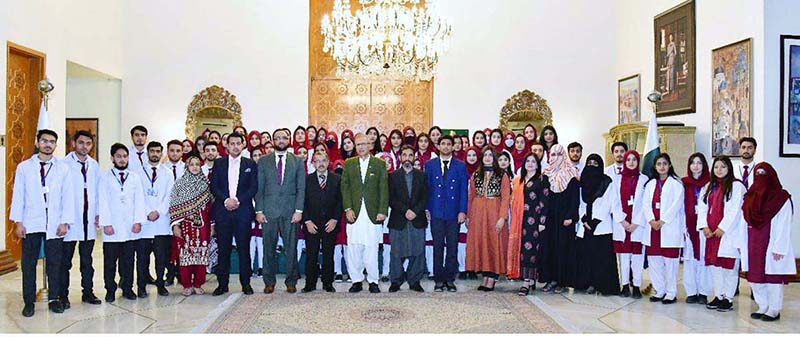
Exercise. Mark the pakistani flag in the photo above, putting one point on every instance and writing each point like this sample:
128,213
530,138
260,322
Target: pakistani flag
652,147
42,116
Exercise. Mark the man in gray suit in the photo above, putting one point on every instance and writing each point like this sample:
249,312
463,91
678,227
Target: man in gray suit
279,208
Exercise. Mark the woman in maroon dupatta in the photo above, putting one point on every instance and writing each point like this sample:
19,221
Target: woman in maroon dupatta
696,277
192,226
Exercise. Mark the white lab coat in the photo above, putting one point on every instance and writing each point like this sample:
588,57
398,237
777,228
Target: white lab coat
27,201
180,168
637,214
76,232
156,198
672,232
738,169
611,171
134,164
780,242
607,209
121,207
732,224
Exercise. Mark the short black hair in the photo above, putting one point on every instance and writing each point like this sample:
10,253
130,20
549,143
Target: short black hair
175,142
749,140
213,132
116,147
407,147
43,132
209,143
154,144
139,128
435,127
82,133
239,126
615,144
267,132
236,135
574,145
446,137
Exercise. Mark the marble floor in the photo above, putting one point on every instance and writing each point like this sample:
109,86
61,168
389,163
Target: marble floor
574,312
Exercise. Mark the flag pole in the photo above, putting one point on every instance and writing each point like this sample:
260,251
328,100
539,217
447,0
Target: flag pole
45,87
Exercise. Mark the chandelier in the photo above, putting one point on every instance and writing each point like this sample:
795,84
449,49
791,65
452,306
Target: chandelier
385,39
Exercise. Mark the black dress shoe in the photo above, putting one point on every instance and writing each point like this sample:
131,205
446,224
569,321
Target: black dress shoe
384,279
219,291
472,275
247,289
725,305
129,295
756,315
714,304
451,287
356,287
151,280
28,310
626,291
260,272
438,287
702,299
462,275
56,307
110,297
162,291
591,290
656,299
670,301
329,288
416,287
170,281
65,303
338,278
91,299
142,293
637,293
307,289
692,299
394,287
482,288
373,288
768,318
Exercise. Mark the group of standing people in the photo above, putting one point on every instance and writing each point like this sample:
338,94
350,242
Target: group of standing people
496,204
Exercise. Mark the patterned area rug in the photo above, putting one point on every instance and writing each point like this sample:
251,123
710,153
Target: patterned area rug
402,312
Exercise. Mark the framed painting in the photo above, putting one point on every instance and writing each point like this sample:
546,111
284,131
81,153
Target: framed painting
76,124
790,96
674,67
731,96
629,99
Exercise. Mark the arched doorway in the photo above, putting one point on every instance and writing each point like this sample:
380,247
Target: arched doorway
523,108
213,108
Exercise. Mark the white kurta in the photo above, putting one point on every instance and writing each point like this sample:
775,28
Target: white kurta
363,231
76,230
614,171
121,206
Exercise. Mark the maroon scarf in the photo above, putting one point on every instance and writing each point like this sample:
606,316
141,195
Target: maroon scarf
765,198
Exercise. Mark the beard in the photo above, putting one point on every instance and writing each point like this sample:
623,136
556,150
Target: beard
281,147
407,164
121,168
746,155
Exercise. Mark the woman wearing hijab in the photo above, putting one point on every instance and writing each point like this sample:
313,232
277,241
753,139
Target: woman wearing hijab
558,251
331,145
628,233
298,138
600,211
253,141
519,151
509,141
192,226
529,132
459,149
322,135
664,228
393,146
424,149
311,137
188,146
767,256
696,275
496,140
529,207
471,159
410,136
489,201
479,139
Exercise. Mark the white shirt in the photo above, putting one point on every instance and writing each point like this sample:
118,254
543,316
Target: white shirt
233,175
738,171
578,166
363,165
28,204
136,160
449,163
614,171
206,169
76,231
121,205
280,164
180,168
156,198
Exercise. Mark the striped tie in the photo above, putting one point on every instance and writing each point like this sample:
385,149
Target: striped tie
322,182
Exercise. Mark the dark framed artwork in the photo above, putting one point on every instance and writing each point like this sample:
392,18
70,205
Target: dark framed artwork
674,67
790,96
629,99
76,124
731,96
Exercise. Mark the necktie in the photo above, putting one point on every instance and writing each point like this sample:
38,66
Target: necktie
122,178
746,175
619,170
85,203
322,181
174,174
140,157
154,173
42,174
446,168
280,169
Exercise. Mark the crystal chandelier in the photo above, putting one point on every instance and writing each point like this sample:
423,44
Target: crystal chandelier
385,39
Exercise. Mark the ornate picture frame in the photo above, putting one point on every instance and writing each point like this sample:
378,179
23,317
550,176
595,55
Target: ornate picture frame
674,66
629,99
790,96
731,96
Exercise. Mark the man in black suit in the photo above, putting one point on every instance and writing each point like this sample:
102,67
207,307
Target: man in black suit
321,214
234,184
408,196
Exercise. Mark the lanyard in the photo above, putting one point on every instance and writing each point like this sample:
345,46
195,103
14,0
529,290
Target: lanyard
660,188
151,179
44,178
120,181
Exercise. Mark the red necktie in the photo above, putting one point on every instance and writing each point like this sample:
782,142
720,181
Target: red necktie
140,157
619,170
746,175
122,178
85,203
174,174
322,182
155,174
43,176
280,169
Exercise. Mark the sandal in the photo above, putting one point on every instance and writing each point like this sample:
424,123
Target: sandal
199,291
187,292
523,291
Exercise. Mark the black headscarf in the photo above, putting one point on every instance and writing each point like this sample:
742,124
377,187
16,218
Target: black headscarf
594,183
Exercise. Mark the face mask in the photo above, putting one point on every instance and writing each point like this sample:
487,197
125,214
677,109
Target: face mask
409,140
330,143
509,142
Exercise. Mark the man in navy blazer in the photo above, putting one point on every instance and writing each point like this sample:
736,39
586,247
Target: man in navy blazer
446,209
234,183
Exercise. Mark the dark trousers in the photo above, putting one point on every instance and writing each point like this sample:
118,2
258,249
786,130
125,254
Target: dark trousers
160,248
417,267
31,245
118,254
313,243
288,231
445,235
144,247
225,235
85,249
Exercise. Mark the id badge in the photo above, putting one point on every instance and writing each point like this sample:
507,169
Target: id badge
123,197
658,205
630,201
45,189
151,192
